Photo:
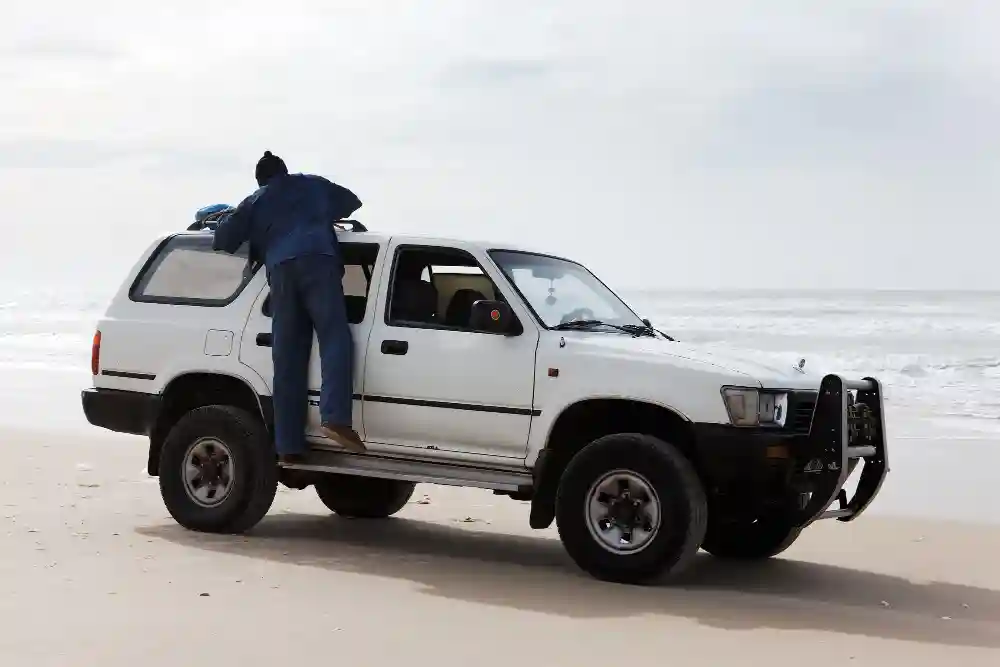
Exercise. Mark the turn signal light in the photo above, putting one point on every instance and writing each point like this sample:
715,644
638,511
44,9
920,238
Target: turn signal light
95,353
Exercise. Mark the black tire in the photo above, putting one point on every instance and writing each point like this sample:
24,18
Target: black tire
363,497
681,500
750,540
254,469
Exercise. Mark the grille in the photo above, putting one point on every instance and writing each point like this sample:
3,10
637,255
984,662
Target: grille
800,411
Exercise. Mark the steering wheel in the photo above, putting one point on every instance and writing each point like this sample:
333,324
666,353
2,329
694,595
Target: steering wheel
578,314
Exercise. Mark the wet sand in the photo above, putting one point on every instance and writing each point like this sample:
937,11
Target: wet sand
94,572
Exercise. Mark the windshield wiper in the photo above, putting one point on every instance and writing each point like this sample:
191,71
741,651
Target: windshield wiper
640,329
579,324
646,329
634,330
631,329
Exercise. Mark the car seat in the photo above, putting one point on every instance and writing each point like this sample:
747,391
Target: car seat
414,301
459,310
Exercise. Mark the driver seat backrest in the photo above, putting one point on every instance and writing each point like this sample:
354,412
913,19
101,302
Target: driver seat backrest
459,310
414,301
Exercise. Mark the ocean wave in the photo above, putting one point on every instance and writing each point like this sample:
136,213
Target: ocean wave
937,353
970,364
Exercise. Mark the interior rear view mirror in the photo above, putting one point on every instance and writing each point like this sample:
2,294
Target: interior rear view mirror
546,273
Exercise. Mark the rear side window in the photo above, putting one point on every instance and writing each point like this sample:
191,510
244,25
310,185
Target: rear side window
186,271
359,263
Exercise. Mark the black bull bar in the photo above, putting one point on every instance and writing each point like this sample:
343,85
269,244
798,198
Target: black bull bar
846,429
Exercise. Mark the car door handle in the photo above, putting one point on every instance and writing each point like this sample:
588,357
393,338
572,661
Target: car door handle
264,339
395,346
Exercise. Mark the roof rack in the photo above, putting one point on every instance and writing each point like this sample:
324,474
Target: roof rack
209,217
355,226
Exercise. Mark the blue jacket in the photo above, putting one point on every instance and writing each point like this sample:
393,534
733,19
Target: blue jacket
290,216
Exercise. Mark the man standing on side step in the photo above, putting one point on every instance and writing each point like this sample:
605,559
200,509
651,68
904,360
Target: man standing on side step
288,222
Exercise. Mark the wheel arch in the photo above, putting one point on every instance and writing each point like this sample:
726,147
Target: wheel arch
194,389
586,420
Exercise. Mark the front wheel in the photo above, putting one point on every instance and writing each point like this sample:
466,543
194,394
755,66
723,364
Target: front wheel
363,497
218,472
630,508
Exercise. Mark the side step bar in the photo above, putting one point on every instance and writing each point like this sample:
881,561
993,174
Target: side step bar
406,470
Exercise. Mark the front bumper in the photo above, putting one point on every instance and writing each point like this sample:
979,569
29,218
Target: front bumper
804,469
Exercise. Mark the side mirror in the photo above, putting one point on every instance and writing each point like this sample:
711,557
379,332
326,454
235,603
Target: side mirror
647,323
494,317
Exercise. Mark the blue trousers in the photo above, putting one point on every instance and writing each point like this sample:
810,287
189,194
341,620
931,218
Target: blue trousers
307,295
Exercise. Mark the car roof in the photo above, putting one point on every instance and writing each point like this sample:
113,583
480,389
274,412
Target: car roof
431,239
370,236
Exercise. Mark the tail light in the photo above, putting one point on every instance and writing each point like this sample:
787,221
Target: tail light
95,353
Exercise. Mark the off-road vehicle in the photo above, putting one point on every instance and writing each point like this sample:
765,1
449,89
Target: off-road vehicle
491,366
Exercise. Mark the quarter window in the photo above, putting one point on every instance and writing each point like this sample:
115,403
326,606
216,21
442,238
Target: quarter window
186,271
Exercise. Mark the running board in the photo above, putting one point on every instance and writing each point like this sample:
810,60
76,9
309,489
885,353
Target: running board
449,474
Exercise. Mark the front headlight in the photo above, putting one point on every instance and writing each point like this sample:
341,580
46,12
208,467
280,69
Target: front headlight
755,407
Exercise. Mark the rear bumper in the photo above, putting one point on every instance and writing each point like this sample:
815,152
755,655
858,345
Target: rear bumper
805,471
121,411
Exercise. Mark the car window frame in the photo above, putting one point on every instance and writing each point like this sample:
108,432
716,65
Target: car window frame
265,306
405,324
154,260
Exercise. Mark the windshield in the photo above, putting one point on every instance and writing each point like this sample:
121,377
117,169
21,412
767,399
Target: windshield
560,291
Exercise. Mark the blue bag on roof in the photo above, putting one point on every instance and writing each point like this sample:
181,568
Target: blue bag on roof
206,215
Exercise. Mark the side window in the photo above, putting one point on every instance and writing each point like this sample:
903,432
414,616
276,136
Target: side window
437,287
359,262
186,271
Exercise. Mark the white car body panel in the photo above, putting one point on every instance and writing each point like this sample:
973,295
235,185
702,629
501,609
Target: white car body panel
146,345
475,370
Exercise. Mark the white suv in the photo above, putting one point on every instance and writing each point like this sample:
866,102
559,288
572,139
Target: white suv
484,366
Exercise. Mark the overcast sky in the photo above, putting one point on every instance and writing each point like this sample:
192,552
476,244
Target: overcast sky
667,144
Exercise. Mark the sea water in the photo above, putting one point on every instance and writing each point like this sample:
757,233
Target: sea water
937,353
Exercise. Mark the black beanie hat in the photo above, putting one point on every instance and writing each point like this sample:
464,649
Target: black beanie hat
268,167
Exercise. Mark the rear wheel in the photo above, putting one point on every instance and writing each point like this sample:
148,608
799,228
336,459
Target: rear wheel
363,497
217,470
750,539
630,508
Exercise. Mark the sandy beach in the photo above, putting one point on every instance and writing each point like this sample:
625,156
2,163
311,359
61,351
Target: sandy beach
784,190
94,572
